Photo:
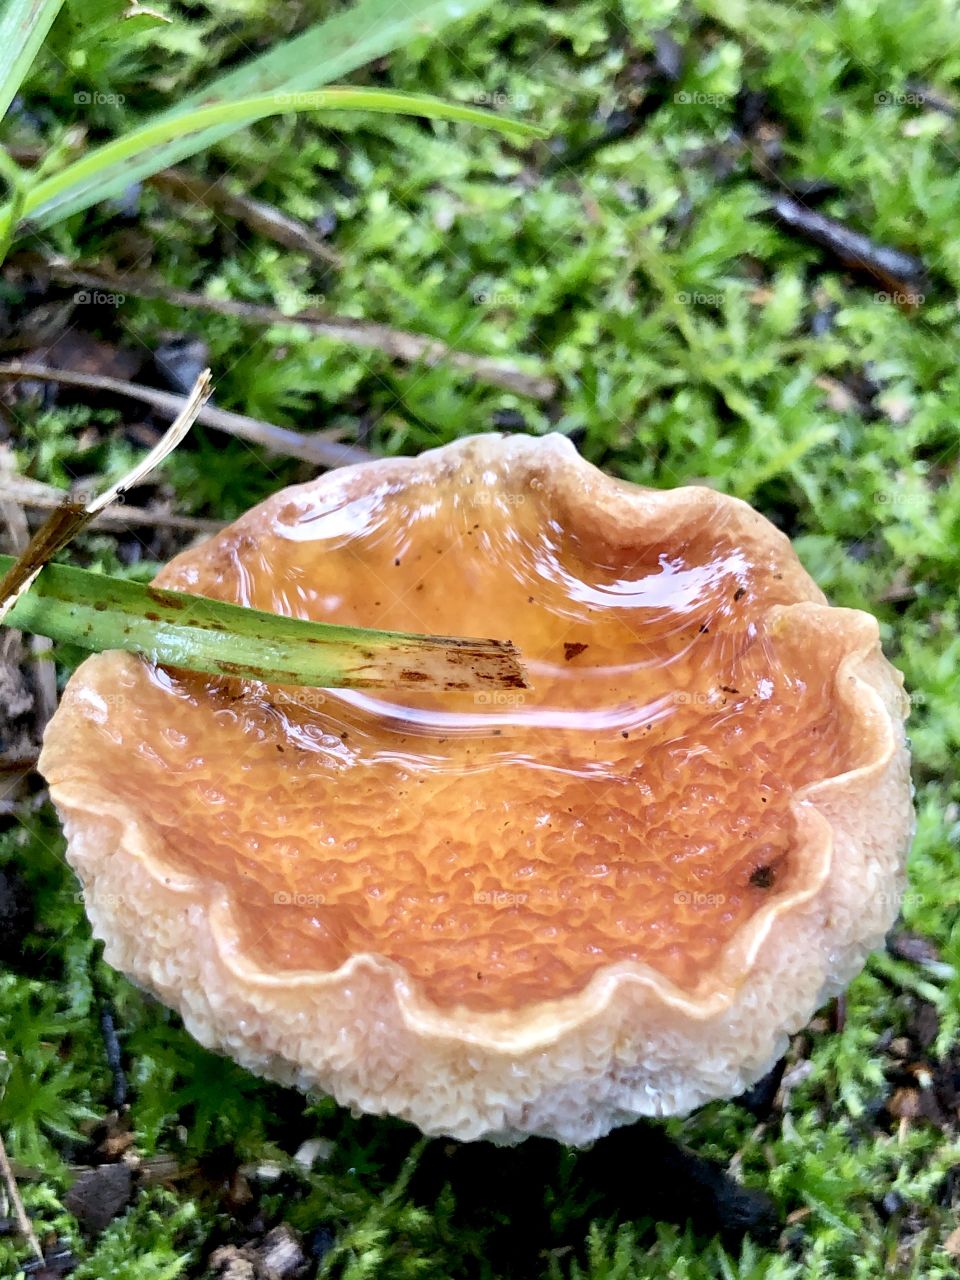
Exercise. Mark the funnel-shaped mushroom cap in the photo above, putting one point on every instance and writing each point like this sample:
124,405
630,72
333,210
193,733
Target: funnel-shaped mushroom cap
545,911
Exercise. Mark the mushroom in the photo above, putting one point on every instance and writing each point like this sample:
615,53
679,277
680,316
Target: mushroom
547,911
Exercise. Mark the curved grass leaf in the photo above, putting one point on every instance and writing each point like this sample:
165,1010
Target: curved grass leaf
327,51
48,198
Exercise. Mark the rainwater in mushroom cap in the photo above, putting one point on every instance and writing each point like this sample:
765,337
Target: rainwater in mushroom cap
543,911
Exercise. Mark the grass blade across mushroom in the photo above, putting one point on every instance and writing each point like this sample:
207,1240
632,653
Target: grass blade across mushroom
200,634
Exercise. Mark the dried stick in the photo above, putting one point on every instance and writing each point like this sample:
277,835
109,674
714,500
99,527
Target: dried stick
399,344
13,1191
316,449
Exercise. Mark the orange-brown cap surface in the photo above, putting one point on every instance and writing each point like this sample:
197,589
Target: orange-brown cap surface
543,911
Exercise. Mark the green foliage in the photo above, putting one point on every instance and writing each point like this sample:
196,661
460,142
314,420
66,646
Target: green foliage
281,80
154,1241
106,171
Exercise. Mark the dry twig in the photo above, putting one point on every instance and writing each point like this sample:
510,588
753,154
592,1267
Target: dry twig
13,1191
70,517
43,674
319,450
399,344
36,496
258,215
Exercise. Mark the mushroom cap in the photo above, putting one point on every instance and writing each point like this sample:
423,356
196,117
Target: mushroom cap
497,915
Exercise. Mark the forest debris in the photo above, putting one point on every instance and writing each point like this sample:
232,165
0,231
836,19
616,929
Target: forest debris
75,351
100,612
231,1263
181,361
13,1192
16,914
36,496
99,1195
839,398
41,671
14,695
900,587
117,1142
279,1256
932,99
160,1169
313,1151
905,1104
912,947
258,215
19,732
70,518
114,1054
925,1025
901,272
58,1260
398,344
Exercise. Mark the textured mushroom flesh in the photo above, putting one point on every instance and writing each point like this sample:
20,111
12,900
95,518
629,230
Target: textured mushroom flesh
634,804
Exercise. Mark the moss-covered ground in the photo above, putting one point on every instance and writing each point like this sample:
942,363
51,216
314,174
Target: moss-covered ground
690,336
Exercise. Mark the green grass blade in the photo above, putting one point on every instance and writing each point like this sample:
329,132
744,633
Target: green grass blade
48,197
199,634
23,28
333,48
325,52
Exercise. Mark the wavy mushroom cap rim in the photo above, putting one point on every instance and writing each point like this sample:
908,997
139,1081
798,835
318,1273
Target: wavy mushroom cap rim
539,1024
